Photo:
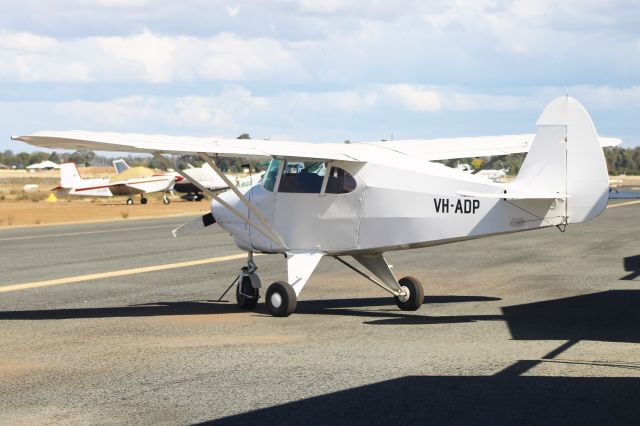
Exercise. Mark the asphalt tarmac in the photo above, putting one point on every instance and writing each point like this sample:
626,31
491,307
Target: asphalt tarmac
537,327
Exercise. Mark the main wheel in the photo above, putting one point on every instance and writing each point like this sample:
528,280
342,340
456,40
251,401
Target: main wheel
166,200
281,299
416,294
129,201
246,294
143,200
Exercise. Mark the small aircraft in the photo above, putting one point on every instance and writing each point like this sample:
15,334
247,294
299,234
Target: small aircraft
492,174
205,177
365,199
208,178
128,181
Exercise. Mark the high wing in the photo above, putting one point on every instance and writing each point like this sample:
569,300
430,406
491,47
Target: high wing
424,149
180,145
481,146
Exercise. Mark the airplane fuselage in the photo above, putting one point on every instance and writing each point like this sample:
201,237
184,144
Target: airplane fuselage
393,207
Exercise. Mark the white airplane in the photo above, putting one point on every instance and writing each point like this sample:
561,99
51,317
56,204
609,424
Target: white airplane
128,181
205,176
208,178
492,174
365,199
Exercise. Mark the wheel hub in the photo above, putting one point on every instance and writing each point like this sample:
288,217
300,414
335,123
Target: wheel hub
404,296
276,300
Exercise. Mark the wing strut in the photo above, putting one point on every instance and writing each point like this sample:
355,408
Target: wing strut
276,238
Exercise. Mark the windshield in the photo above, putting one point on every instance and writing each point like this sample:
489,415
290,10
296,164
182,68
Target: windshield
269,179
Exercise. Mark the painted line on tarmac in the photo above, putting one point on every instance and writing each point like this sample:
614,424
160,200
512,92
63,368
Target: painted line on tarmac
70,234
121,273
125,272
628,203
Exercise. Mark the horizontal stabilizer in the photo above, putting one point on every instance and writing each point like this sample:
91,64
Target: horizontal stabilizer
194,226
515,195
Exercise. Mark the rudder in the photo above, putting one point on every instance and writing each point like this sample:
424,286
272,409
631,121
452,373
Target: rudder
566,158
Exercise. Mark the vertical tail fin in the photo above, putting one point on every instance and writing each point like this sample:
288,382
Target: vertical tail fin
566,158
69,176
120,165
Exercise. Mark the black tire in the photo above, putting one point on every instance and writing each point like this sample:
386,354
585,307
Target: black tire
281,299
416,294
243,301
129,201
143,200
166,200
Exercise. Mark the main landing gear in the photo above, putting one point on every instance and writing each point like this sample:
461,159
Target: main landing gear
407,292
166,200
413,294
282,298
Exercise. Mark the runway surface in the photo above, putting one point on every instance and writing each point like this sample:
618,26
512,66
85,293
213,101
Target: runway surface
536,327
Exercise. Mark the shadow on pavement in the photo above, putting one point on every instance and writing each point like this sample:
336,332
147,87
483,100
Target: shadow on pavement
331,306
609,316
632,265
454,400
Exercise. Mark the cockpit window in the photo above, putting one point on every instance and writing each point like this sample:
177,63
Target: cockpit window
302,177
269,178
339,182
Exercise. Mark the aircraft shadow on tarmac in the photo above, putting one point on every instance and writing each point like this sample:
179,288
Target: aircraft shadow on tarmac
204,307
508,397
458,400
631,265
612,316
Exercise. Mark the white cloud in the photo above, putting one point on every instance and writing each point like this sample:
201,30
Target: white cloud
232,11
145,57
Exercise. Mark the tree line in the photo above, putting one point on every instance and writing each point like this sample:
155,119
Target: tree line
619,161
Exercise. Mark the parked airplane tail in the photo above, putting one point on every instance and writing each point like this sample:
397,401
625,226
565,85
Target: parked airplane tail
69,176
120,165
566,158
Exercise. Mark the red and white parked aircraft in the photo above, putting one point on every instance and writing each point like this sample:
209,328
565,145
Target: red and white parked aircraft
128,181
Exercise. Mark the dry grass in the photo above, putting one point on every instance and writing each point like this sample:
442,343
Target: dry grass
72,210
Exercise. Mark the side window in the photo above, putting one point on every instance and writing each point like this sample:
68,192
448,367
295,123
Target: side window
302,177
269,178
340,182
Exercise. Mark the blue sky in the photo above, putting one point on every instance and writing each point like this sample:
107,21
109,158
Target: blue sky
315,70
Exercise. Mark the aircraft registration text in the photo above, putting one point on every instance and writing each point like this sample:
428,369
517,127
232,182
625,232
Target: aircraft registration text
466,206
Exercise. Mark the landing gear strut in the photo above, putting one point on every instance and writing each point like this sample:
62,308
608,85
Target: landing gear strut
407,292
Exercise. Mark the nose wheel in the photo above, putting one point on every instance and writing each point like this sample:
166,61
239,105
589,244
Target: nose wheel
281,299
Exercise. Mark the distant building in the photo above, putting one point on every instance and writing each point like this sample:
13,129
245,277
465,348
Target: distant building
45,165
3,166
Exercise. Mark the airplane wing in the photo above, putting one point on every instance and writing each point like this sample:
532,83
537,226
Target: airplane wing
481,146
424,149
133,142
